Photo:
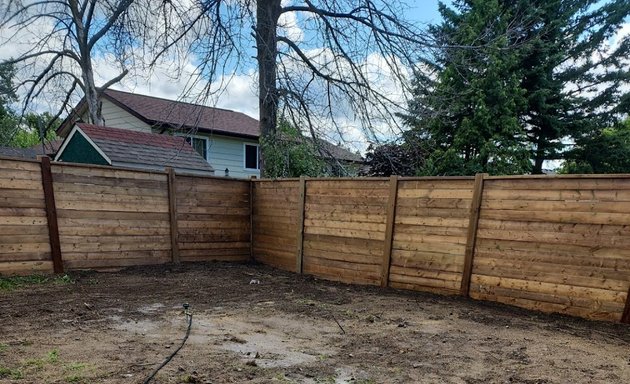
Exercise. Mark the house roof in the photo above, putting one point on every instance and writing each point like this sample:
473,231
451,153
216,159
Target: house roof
20,153
156,111
150,150
51,147
338,152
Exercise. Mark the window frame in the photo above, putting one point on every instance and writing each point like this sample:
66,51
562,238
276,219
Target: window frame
199,137
257,156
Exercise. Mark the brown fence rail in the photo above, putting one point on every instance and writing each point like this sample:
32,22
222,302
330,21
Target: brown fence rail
555,244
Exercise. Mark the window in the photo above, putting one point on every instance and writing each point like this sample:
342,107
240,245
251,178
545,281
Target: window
199,144
251,156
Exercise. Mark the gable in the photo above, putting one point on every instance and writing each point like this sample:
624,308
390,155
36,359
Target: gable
79,150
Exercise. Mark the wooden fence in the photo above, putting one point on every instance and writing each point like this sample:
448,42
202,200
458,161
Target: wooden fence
71,216
555,244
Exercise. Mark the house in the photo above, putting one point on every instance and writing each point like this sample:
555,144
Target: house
227,140
50,149
224,138
92,144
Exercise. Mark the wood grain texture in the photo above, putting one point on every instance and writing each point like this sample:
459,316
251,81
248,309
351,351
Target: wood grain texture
300,227
389,230
276,222
213,218
471,236
172,207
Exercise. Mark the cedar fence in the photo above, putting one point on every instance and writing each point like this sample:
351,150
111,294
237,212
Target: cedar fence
554,244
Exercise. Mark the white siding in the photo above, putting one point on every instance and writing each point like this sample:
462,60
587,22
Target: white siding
227,152
117,117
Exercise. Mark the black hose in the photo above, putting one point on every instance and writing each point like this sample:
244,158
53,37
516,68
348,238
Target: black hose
166,361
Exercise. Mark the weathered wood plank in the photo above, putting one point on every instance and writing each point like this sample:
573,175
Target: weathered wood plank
172,207
300,226
51,215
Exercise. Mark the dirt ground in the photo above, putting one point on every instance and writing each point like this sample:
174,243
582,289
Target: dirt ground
258,325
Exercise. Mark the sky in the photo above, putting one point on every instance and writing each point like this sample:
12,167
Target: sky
240,95
240,92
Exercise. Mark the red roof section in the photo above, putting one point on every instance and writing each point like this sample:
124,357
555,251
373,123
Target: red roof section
178,114
135,137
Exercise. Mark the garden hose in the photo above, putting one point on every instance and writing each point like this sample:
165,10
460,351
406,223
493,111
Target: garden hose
188,314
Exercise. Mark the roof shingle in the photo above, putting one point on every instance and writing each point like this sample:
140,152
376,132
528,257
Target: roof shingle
125,146
179,114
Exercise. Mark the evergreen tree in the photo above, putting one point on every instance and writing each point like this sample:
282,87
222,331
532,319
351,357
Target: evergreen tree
517,79
604,151
8,121
572,78
471,109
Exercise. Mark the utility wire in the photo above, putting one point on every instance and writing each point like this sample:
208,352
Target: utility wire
170,357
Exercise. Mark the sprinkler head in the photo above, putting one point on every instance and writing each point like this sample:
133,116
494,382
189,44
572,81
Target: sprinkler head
186,306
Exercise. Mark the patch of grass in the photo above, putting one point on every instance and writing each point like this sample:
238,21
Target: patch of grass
53,356
3,347
34,363
14,374
14,282
74,378
76,366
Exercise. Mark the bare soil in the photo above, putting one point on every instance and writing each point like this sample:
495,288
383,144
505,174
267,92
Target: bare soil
259,325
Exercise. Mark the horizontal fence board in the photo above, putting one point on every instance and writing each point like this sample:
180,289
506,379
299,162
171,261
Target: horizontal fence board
554,244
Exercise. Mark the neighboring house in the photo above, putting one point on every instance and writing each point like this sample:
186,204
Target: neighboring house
339,160
91,144
226,139
31,153
19,153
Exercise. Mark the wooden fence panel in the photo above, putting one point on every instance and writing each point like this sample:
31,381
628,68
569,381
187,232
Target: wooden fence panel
111,217
276,222
24,241
432,218
212,218
555,245
344,229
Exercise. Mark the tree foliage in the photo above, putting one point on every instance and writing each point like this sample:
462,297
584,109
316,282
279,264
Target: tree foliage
544,73
290,154
8,121
603,151
410,157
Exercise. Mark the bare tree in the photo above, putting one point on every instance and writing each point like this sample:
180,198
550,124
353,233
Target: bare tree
67,36
320,64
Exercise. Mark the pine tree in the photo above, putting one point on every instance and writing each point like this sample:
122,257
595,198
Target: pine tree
471,108
571,77
517,80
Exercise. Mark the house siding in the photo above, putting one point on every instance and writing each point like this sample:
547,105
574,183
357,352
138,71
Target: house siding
79,150
117,117
226,152
223,151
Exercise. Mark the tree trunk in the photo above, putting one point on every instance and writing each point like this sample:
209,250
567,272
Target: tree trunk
91,97
539,155
268,12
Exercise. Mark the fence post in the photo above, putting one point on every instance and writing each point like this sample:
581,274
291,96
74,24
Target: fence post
172,209
625,317
471,238
51,214
251,217
300,237
389,230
